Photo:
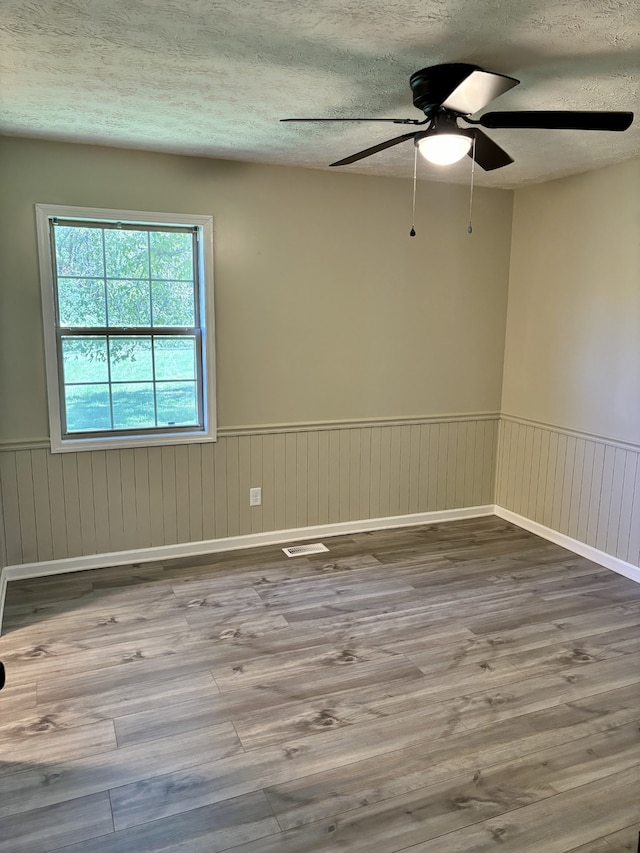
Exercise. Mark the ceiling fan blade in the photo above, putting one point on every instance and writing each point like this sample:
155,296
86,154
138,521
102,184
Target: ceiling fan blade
373,150
477,90
488,154
457,86
558,120
392,120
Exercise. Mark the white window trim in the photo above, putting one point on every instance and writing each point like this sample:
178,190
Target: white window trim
46,212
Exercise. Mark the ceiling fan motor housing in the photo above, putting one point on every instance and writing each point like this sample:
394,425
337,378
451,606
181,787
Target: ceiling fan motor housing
432,86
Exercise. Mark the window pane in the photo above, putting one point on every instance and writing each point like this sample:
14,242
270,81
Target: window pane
131,359
171,255
87,408
127,253
175,357
81,302
173,303
79,251
176,403
133,405
84,359
128,303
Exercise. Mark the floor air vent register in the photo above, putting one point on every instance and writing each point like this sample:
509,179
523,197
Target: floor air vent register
303,550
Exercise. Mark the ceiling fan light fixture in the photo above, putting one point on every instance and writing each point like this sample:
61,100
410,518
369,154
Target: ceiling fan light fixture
443,149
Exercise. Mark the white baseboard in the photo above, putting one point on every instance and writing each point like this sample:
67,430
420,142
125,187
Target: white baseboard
601,557
24,571
45,568
3,594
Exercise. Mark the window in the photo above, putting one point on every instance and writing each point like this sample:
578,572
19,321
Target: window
127,299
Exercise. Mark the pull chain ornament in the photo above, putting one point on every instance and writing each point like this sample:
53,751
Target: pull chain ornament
473,170
412,233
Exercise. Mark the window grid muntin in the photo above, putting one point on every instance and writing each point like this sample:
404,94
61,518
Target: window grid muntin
106,297
153,348
125,278
129,331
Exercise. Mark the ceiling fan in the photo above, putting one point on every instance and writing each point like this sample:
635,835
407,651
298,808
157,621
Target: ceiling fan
452,92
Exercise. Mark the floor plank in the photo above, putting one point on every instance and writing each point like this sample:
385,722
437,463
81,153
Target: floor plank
46,783
314,797
43,829
206,830
513,808
272,704
576,817
48,737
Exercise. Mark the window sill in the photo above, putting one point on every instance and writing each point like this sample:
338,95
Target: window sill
75,445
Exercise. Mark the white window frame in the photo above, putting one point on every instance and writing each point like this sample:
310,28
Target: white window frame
204,225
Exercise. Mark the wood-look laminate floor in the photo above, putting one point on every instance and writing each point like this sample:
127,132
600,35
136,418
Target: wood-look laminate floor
452,688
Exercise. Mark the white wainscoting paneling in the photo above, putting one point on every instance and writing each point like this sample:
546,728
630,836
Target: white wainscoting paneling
59,506
584,487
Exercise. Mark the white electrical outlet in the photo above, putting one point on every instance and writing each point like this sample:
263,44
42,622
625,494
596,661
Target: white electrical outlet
255,496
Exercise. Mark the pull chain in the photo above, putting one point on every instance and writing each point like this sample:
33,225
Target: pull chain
412,233
473,170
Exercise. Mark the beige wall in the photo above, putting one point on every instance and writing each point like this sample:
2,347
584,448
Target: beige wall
572,356
378,355
569,447
326,309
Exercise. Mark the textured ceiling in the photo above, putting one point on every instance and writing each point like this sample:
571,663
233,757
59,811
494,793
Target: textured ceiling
213,78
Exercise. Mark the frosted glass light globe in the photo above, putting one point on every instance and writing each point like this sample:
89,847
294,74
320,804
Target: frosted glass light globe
443,149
